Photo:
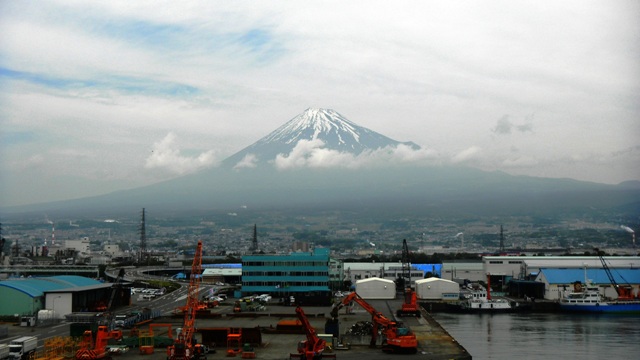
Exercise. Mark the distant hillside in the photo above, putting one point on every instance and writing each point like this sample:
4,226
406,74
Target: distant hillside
251,178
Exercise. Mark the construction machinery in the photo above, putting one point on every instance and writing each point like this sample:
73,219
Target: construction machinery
625,292
396,339
185,347
410,305
95,347
312,348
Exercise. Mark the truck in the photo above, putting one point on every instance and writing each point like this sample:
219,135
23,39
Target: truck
23,347
4,351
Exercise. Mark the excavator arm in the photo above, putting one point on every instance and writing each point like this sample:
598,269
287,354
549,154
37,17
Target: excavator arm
396,339
313,347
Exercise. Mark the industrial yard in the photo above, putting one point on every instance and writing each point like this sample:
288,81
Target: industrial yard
433,341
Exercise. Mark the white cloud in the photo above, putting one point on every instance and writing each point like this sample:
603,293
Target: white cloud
106,77
312,154
470,154
166,156
249,161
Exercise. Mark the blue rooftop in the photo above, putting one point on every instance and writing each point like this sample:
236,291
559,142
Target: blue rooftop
36,286
597,276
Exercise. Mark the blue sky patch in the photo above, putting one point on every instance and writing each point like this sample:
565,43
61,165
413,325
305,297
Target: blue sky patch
123,84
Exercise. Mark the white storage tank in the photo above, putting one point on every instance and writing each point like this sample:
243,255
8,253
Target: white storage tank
376,288
46,316
437,289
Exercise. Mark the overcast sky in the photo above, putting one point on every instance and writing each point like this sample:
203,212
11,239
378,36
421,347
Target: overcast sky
91,92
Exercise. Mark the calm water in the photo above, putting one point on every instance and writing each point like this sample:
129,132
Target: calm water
545,336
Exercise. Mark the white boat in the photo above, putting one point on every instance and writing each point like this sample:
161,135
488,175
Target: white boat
478,301
590,300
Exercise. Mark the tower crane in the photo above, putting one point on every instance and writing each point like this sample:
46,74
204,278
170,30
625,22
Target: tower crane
184,347
396,339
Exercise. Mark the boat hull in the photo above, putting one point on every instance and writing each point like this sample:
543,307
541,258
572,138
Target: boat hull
609,307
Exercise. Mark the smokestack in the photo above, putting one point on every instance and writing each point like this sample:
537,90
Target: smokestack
633,233
461,239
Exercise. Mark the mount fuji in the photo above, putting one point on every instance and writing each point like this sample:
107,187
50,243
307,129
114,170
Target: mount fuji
321,160
313,129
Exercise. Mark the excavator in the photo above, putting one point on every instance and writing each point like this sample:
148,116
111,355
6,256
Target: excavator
92,350
184,347
410,305
313,347
396,339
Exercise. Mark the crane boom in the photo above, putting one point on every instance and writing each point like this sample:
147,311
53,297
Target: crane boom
313,347
397,339
410,305
184,347
624,293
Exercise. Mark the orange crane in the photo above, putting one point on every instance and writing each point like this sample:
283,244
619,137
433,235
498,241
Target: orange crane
90,350
625,291
313,347
184,347
410,305
396,339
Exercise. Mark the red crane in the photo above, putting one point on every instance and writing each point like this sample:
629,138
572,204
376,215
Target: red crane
184,347
313,347
410,305
396,339
91,349
624,292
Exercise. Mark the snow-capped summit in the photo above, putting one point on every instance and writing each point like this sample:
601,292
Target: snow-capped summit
334,130
316,124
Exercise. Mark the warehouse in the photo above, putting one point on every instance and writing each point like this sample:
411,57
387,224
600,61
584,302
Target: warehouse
376,288
391,271
219,275
559,282
62,294
437,289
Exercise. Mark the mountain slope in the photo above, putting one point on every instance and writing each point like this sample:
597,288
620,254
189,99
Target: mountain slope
394,187
333,130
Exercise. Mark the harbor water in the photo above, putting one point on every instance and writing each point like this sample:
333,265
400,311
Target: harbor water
545,336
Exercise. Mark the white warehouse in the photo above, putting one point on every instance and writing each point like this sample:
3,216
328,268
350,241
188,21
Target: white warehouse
376,288
437,289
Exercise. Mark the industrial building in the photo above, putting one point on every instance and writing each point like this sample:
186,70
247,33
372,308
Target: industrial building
558,283
461,271
437,289
390,271
523,267
227,275
376,288
303,275
61,294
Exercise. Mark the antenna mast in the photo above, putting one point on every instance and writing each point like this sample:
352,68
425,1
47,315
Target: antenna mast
143,238
501,240
254,242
